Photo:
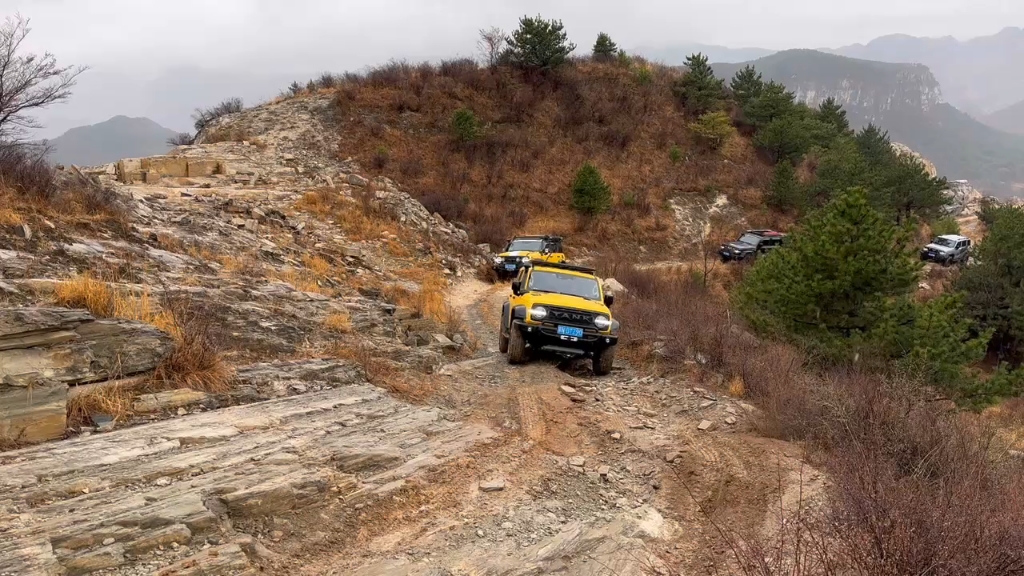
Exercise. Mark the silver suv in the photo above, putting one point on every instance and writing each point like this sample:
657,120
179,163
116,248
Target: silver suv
947,250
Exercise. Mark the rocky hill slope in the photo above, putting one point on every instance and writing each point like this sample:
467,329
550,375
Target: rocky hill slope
320,390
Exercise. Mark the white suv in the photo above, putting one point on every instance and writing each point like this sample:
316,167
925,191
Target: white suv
947,250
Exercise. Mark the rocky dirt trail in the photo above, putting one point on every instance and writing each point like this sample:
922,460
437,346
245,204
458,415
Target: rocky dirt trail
583,476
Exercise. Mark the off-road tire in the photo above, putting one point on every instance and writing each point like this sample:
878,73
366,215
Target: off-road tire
516,346
603,360
502,340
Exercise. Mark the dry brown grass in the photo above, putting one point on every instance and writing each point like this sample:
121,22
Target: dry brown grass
339,322
317,265
104,300
171,243
429,301
516,176
232,134
30,191
246,264
196,361
114,400
302,280
382,372
359,219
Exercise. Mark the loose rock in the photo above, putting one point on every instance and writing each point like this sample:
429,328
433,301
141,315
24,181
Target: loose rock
495,485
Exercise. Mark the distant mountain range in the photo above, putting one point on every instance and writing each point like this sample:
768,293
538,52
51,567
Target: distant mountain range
980,76
1009,119
677,53
119,137
906,100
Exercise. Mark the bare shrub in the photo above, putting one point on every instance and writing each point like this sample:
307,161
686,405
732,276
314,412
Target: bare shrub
197,361
914,488
181,139
204,116
491,45
381,157
449,205
394,74
24,170
411,166
698,329
326,81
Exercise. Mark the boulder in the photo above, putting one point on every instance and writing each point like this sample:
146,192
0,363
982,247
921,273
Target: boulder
966,201
613,286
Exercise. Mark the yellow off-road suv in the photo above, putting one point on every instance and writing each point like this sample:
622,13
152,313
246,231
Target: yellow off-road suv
559,308
524,250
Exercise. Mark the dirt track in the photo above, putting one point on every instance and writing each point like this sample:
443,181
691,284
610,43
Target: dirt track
625,510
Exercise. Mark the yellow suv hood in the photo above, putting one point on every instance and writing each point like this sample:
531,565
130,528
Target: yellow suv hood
530,255
563,301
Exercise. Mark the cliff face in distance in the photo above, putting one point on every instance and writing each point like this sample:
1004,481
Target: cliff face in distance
907,101
979,76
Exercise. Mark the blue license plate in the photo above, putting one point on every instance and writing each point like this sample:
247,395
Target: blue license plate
510,267
570,331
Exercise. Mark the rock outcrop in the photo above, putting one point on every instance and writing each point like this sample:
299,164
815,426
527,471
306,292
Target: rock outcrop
44,350
904,150
123,498
966,200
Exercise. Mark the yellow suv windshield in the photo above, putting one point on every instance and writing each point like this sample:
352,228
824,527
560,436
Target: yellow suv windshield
572,285
525,246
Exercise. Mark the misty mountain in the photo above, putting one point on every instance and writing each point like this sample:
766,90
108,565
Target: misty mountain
979,76
119,137
1009,119
906,100
676,54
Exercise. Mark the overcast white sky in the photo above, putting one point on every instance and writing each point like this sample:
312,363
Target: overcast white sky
162,58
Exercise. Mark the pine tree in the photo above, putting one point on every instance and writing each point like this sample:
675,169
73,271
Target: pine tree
785,138
836,275
874,144
464,126
832,113
604,49
772,103
590,193
746,85
539,44
713,129
994,285
784,192
699,90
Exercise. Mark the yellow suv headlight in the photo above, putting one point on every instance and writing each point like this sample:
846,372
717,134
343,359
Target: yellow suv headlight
602,322
538,312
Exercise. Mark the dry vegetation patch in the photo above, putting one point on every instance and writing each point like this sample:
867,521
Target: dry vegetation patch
914,487
513,173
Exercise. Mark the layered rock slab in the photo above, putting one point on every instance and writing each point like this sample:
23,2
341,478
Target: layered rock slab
71,505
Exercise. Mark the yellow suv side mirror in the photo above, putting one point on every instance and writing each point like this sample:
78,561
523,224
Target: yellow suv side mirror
609,299
517,287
